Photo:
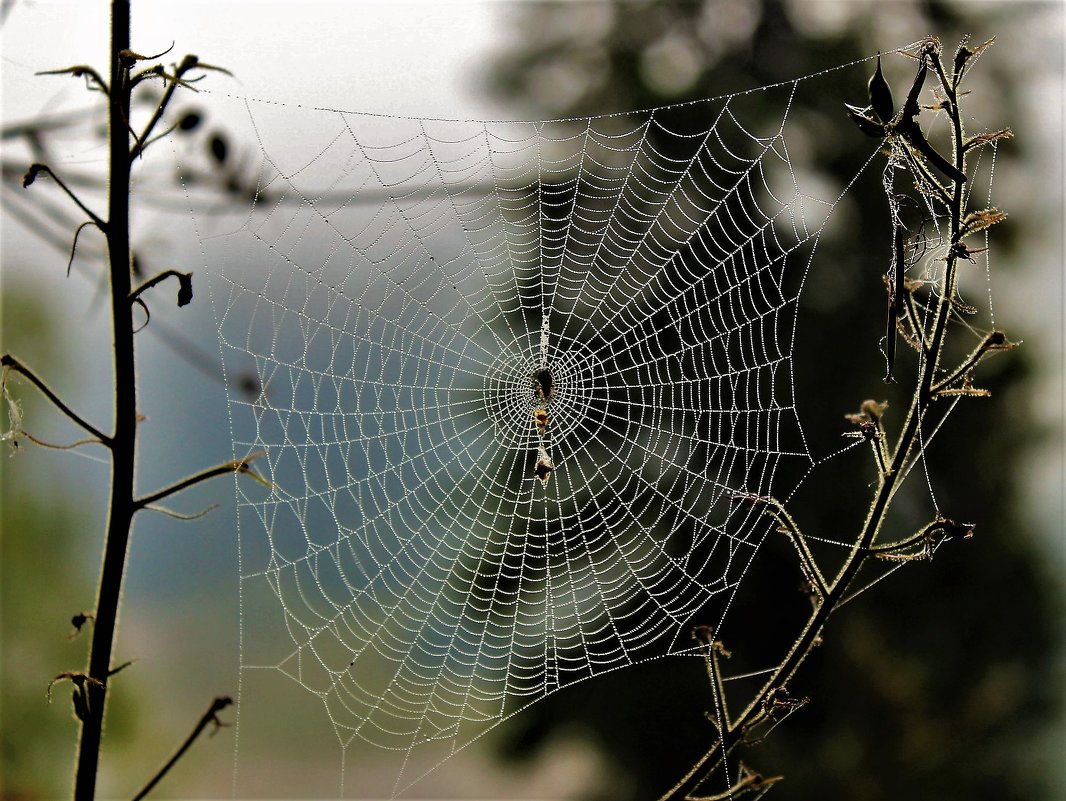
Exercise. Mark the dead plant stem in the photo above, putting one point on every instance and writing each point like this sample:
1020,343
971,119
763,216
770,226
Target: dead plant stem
123,441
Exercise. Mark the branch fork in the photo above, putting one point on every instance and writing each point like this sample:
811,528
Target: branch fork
910,147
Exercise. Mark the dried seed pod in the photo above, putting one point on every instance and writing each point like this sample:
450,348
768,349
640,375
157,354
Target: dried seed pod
189,121
544,467
881,94
541,418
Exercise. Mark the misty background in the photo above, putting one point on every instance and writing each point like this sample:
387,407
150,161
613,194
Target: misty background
943,681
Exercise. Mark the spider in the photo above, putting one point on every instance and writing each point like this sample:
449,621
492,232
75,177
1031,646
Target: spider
541,418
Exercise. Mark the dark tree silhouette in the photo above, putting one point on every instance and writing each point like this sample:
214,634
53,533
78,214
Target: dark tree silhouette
936,683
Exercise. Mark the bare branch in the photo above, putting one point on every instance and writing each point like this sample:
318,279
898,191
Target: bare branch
42,219
179,516
771,700
78,71
236,466
76,677
36,126
711,649
133,56
190,62
37,168
915,320
9,362
931,181
749,781
74,244
994,341
209,717
924,537
988,138
184,288
56,447
787,525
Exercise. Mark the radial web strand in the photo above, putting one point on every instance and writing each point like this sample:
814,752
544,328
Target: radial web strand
518,383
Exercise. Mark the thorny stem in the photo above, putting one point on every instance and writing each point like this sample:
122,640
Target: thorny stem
888,480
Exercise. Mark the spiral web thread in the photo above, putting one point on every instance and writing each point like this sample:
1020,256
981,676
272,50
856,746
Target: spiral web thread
519,384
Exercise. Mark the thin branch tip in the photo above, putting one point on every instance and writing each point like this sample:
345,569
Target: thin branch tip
78,71
236,466
10,363
209,718
37,169
184,286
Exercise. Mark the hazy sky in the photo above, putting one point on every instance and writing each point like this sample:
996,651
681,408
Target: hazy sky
401,57
404,58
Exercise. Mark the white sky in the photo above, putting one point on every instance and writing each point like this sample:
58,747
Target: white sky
401,57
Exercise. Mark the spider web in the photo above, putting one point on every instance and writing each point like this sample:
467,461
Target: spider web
518,384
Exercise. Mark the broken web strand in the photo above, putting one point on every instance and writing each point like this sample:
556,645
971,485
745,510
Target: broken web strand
570,605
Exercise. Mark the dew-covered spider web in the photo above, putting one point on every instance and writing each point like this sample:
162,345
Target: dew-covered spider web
516,386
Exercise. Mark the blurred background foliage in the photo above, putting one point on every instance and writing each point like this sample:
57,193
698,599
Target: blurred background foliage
944,681
941,681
